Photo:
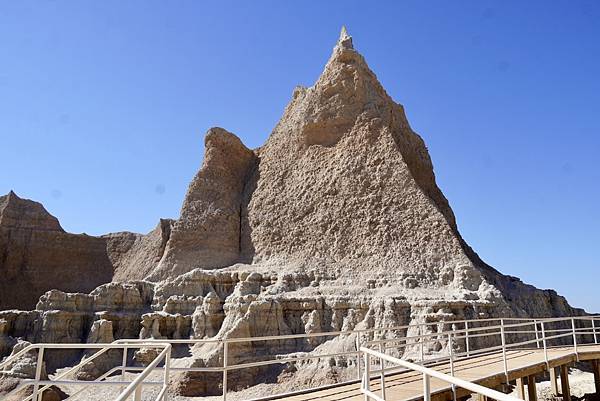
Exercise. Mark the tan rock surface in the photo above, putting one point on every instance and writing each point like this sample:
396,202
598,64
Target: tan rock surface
343,178
134,256
207,234
37,255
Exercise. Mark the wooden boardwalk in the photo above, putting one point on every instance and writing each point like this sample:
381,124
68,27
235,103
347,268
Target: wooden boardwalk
485,370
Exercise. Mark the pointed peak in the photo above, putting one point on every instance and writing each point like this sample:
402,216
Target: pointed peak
345,40
344,32
16,212
8,198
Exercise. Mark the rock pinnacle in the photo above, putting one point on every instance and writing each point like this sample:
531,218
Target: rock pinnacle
345,40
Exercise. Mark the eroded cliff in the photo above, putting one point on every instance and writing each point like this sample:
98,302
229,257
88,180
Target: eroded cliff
36,255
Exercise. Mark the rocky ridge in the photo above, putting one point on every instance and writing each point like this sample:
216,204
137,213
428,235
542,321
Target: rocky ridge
36,255
336,223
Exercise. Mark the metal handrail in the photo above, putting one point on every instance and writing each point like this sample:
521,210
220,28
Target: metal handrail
427,374
72,370
572,332
36,382
523,322
470,331
135,387
497,333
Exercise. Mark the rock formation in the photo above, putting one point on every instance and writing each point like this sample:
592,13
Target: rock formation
134,256
36,255
207,235
335,223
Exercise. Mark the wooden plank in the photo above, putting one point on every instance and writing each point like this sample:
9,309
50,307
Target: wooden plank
554,381
596,370
564,383
531,388
521,387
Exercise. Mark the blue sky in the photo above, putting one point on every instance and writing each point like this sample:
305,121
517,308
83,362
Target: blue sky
104,106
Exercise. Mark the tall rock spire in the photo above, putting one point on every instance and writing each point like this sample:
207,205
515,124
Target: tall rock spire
344,186
344,178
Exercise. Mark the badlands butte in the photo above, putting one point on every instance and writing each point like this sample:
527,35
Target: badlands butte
335,223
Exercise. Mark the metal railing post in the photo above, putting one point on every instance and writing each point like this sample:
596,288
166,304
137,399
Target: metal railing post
537,343
451,352
594,330
545,346
367,374
504,349
358,358
467,338
422,345
426,388
167,374
225,370
124,365
574,338
382,375
38,374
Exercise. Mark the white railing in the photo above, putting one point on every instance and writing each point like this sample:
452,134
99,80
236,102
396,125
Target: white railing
134,387
427,374
466,339
355,354
502,331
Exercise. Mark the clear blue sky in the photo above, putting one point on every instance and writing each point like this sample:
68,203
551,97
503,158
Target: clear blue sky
104,105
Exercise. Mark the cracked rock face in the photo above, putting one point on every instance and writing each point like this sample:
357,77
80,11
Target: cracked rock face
207,235
336,223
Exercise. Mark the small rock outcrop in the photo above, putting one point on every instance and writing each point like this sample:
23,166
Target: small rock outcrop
101,332
134,256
